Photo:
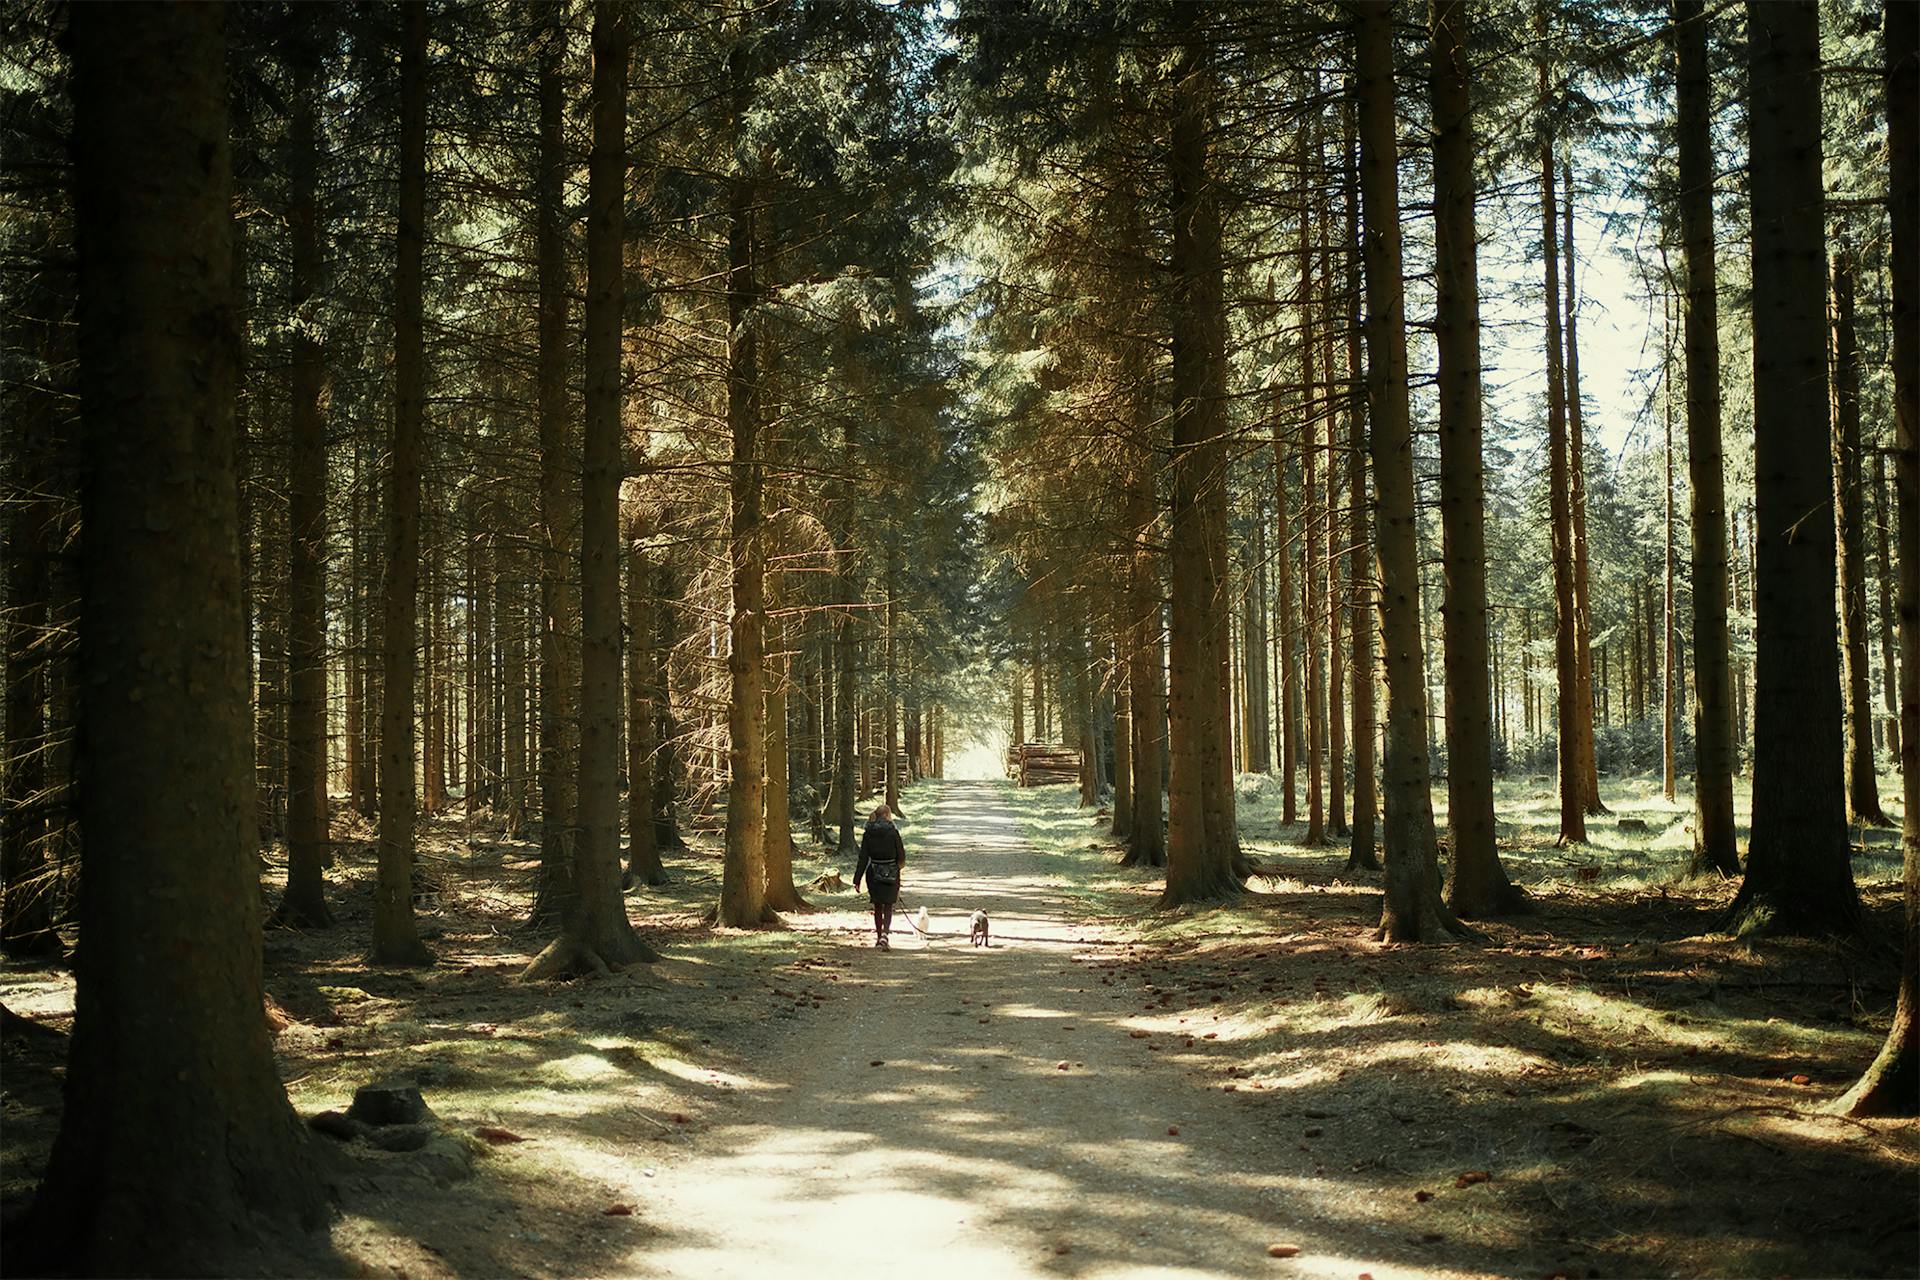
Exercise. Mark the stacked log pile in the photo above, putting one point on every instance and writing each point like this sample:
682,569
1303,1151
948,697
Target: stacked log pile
1040,764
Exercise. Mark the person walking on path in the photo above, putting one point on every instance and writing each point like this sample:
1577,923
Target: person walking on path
882,857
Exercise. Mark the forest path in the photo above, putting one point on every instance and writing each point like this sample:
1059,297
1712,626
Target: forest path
970,1151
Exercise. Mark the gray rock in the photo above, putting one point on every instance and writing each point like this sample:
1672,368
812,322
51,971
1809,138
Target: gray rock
389,1102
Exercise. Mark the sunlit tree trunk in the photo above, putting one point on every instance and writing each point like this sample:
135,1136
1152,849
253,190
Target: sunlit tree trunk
1863,791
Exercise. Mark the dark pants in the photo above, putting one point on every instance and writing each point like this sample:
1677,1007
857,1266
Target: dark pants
883,896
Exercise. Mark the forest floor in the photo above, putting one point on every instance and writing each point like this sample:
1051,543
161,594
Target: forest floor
1603,1088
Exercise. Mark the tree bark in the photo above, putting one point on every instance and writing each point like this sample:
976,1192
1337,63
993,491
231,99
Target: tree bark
1669,712
743,873
1891,1084
177,1152
596,935
1362,853
1311,550
1200,852
1412,910
1863,791
1889,621
1146,678
304,904
1283,593
1799,874
1577,498
643,694
1715,751
32,536
1573,789
782,894
1479,885
559,500
396,940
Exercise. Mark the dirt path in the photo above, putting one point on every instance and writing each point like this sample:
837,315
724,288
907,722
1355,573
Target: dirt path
969,1150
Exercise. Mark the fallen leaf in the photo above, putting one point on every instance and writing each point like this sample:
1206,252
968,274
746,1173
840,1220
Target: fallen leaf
1138,1035
1060,1066
618,1211
1421,1197
496,1135
878,1062
1061,1250
1173,1131
1283,1251
1471,1177
1803,1079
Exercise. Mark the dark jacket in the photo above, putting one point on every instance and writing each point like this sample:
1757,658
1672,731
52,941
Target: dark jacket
880,843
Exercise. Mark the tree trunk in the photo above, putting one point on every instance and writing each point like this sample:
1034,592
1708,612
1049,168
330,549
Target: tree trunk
1362,853
1121,828
1799,875
1715,753
1412,910
595,935
32,538
1146,669
744,874
1200,859
782,894
1573,789
1577,497
1479,886
1863,791
1889,623
304,905
510,636
1891,1084
1669,712
1311,551
1283,594
644,676
668,768
177,1152
396,940
559,500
